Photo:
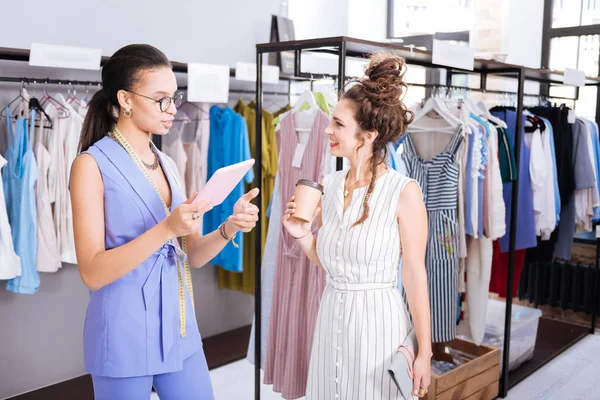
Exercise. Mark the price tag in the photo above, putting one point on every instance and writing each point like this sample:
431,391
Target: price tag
49,55
597,231
571,117
247,72
574,77
298,155
451,55
208,83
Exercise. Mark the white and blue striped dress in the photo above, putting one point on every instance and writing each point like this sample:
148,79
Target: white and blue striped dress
438,178
362,317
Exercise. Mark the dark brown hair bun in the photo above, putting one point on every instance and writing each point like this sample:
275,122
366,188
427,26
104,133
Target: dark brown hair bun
385,79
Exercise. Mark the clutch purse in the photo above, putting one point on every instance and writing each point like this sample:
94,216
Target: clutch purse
401,369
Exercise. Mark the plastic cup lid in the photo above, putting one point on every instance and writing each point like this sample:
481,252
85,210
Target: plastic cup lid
313,184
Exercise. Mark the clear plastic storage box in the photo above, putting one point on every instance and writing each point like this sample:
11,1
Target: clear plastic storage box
524,326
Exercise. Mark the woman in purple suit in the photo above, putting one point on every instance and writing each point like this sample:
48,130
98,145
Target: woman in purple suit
136,236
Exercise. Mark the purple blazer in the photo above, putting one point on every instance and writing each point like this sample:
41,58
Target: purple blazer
132,325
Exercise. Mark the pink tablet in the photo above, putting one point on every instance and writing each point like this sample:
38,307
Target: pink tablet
223,181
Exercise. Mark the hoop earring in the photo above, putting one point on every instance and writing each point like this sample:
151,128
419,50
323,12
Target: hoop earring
128,112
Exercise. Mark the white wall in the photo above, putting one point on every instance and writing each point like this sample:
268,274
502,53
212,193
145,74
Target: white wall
201,31
523,32
368,19
319,18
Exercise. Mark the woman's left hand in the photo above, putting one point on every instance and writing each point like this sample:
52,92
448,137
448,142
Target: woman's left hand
245,214
421,375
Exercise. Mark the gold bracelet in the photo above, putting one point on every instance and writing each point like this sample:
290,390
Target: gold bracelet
224,234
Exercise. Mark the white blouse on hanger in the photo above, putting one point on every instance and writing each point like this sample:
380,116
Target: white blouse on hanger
48,256
57,182
176,151
75,123
10,263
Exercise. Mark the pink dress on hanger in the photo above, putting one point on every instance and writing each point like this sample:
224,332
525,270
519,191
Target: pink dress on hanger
298,283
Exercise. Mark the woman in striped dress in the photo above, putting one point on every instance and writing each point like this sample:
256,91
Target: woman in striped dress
368,211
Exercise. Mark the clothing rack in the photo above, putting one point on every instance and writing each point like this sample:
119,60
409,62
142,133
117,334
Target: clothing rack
48,81
344,47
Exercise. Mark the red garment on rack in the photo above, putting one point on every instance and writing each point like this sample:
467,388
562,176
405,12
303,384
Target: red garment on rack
499,278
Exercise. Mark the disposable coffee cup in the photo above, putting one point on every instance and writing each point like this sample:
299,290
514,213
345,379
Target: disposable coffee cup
308,195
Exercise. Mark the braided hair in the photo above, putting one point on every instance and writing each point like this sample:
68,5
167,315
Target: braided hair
377,103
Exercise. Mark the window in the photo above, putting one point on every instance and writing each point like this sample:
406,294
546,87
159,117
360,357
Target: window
568,13
579,50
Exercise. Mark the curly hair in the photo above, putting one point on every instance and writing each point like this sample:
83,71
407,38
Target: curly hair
377,104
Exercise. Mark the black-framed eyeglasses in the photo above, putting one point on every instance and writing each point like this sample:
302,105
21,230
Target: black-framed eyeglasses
166,101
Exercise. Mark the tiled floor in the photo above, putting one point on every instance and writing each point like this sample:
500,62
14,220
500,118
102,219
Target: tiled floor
574,375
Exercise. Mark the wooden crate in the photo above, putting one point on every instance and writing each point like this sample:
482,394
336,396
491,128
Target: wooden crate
478,379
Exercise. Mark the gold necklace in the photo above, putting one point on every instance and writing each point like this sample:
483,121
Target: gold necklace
116,135
154,165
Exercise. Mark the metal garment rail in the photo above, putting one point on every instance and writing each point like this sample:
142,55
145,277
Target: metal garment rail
345,47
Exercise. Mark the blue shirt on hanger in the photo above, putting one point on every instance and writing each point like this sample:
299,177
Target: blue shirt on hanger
19,178
550,132
228,144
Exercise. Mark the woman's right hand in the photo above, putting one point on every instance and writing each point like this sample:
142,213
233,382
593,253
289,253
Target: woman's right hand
181,221
294,226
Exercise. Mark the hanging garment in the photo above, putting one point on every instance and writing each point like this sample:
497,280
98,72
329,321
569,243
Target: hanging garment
479,271
587,198
506,156
563,141
589,134
556,190
132,326
57,178
48,257
71,143
542,171
438,179
228,145
583,179
298,284
499,277
245,281
19,178
10,263
362,317
267,272
496,209
526,237
596,143
174,149
196,169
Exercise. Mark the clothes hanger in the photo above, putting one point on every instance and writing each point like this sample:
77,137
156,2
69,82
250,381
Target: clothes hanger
63,112
433,104
305,102
20,97
202,111
73,96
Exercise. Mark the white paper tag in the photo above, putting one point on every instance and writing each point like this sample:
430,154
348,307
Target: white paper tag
451,55
571,117
208,83
597,231
49,55
298,155
574,77
247,72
